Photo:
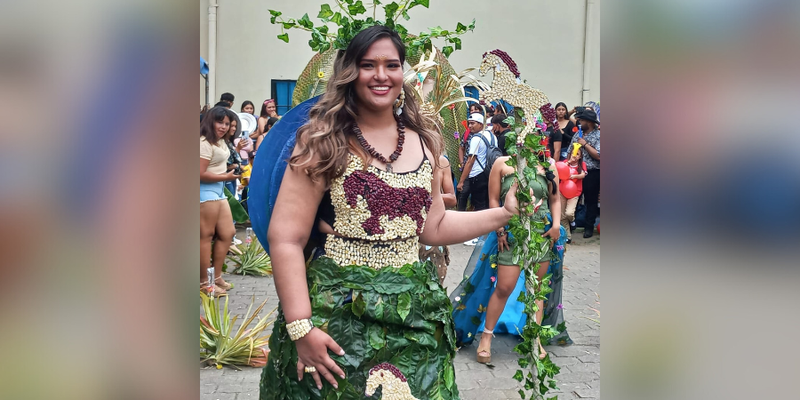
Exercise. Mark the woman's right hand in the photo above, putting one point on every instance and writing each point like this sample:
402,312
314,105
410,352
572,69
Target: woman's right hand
312,351
231,176
502,243
241,144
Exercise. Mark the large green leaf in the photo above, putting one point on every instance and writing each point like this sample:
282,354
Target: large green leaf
305,21
357,8
449,375
393,284
404,305
377,338
349,333
359,306
427,372
325,12
390,10
238,212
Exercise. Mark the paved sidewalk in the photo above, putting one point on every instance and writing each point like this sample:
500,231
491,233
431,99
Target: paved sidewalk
580,362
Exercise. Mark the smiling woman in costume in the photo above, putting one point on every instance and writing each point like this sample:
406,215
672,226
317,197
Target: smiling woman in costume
365,313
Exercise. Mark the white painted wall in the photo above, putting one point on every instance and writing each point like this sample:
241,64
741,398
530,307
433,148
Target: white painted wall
544,37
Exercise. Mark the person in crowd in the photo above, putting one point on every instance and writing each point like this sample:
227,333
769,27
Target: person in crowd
268,110
500,129
577,171
565,125
228,98
545,186
223,104
440,255
448,192
216,228
494,276
590,152
475,108
364,137
248,107
473,184
270,122
234,146
554,138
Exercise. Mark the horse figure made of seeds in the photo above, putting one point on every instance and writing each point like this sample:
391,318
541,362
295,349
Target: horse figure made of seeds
507,85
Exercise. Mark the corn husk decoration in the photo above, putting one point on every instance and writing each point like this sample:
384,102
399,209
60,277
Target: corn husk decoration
434,94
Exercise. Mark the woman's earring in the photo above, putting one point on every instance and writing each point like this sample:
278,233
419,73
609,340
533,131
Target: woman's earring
400,102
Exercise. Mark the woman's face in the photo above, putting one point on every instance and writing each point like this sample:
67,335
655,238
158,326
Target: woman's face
380,76
561,112
474,109
248,109
573,158
271,109
232,129
222,127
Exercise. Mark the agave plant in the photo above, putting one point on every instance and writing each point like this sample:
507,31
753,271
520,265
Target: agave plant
252,259
218,346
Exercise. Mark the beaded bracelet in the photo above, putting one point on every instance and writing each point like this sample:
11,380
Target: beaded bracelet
299,328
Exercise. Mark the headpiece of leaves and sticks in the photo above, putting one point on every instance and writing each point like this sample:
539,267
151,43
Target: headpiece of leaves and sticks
345,16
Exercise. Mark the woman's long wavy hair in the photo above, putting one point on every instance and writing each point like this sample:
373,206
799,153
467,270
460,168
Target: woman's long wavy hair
324,142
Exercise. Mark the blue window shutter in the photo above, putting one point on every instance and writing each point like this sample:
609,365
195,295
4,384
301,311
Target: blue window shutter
282,91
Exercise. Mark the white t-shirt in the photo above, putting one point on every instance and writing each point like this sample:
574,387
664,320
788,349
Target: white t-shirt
217,155
478,148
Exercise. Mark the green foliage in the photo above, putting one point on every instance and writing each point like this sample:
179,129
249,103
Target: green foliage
526,162
220,345
346,16
253,260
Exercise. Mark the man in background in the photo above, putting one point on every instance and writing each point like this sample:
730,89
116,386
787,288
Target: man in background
590,147
500,128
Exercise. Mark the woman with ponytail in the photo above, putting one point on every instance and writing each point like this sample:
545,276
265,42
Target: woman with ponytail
491,276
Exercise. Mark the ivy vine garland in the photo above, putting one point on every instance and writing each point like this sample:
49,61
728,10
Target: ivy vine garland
345,18
540,377
524,148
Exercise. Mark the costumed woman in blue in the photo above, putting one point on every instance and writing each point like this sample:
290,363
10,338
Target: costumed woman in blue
481,302
364,314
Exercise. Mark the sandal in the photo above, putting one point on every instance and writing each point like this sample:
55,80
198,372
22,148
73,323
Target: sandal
484,359
542,352
218,291
219,282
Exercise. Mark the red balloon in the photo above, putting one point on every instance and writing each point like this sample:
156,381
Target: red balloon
569,189
563,170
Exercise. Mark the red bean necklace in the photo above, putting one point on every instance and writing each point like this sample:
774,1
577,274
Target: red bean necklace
401,138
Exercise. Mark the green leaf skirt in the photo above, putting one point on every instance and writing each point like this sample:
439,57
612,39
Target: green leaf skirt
400,316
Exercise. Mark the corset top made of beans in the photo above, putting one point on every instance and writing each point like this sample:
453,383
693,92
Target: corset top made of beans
375,205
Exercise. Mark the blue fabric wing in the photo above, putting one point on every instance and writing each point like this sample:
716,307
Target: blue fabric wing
270,164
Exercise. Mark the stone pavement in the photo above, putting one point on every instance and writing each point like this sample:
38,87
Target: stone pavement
580,362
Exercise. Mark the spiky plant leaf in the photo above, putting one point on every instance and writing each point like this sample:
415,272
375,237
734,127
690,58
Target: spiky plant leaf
219,347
